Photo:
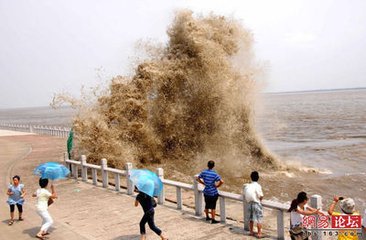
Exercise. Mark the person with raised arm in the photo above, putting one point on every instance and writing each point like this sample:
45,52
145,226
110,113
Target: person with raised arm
347,207
44,199
297,210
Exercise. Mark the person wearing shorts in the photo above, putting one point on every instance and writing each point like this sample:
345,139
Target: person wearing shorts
253,197
212,181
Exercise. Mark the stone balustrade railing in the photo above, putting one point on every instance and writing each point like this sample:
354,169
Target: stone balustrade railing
38,129
81,168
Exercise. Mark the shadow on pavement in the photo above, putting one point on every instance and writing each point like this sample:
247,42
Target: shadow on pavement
128,237
32,232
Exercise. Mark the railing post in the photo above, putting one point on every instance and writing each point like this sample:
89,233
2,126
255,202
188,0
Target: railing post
316,202
280,225
222,210
179,198
75,170
198,197
104,172
117,180
161,197
66,157
83,168
129,183
95,176
30,128
245,211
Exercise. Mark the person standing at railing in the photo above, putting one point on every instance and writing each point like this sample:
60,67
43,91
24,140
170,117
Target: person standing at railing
16,195
212,181
347,206
254,196
297,210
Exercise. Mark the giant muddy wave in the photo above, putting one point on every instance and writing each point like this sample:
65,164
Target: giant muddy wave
190,101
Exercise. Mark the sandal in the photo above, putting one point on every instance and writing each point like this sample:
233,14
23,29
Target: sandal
21,219
10,222
40,237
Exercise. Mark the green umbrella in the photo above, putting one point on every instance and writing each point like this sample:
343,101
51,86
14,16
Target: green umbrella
69,144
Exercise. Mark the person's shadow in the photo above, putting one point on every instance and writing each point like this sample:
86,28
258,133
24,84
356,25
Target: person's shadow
32,232
6,221
128,237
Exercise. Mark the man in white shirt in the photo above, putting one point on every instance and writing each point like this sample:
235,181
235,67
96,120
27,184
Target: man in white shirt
254,196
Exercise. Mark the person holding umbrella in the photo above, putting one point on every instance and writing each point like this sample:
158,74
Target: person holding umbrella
52,171
43,196
149,185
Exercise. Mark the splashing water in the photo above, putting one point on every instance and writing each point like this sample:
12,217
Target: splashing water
189,102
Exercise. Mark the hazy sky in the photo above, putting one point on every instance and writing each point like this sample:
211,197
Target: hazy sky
53,46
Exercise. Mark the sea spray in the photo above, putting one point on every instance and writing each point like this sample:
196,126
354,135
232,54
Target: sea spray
190,101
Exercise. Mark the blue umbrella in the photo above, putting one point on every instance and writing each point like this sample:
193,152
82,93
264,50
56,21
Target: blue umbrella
146,181
51,170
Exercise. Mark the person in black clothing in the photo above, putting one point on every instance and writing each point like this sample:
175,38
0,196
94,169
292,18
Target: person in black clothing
147,203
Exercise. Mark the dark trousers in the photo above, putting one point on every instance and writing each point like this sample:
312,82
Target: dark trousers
149,218
210,201
20,208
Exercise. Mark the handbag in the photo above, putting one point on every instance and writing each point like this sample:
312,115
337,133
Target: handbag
153,202
297,230
298,233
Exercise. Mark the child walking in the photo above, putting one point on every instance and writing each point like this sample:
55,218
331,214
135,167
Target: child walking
43,196
16,195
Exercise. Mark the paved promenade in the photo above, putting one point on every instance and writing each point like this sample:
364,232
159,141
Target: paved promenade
84,211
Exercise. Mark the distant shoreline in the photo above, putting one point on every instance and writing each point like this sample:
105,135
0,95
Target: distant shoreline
316,91
264,93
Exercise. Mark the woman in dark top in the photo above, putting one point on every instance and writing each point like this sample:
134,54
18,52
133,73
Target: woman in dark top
147,205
